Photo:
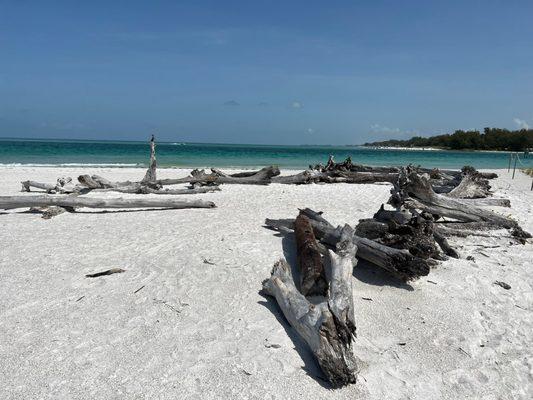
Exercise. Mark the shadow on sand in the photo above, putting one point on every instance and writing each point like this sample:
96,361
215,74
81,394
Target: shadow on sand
373,275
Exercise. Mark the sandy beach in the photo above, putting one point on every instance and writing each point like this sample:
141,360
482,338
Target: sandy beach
186,320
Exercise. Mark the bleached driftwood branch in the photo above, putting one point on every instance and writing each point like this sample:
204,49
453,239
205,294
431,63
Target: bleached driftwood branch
329,326
11,202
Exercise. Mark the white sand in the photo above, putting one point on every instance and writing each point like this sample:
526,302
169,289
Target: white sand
199,331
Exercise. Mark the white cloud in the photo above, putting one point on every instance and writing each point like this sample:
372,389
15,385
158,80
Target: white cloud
310,131
377,128
520,123
296,104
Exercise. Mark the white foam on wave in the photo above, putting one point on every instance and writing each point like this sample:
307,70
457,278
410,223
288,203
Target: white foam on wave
118,165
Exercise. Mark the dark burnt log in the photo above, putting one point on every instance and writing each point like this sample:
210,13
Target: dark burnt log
404,230
371,229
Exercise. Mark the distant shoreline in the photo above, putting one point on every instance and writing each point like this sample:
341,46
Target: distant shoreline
434,149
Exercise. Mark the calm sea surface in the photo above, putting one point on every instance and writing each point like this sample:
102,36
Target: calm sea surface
122,154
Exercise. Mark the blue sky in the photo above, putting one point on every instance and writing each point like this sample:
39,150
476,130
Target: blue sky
287,72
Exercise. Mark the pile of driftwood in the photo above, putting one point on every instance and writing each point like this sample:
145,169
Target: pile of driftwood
65,195
405,242
467,183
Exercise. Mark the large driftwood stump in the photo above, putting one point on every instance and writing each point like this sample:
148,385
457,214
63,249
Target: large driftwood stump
151,173
327,327
397,262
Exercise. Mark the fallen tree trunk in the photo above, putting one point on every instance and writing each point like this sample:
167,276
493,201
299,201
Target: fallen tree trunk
11,202
312,274
261,177
48,187
328,327
480,202
63,185
135,189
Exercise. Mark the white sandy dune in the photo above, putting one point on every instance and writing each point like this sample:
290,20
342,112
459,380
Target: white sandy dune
199,329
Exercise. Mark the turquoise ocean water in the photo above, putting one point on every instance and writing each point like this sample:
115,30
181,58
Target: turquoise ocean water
122,154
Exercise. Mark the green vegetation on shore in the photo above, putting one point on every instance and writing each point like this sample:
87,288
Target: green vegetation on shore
490,139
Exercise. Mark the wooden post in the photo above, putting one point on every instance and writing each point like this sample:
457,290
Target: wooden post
515,160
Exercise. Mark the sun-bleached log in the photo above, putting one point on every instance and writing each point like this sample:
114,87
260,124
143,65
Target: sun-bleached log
151,173
48,187
342,263
63,185
261,177
309,259
11,202
327,327
137,189
313,176
472,186
486,202
301,178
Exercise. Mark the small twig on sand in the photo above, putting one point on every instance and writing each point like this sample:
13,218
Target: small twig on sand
504,285
138,290
107,272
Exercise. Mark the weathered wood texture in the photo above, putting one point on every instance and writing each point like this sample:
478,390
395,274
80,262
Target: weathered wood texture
151,173
421,196
329,326
261,177
11,202
472,186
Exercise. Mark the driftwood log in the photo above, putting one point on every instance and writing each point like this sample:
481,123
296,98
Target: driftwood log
261,177
329,326
11,202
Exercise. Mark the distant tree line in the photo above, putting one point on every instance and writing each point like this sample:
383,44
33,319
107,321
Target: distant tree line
490,139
